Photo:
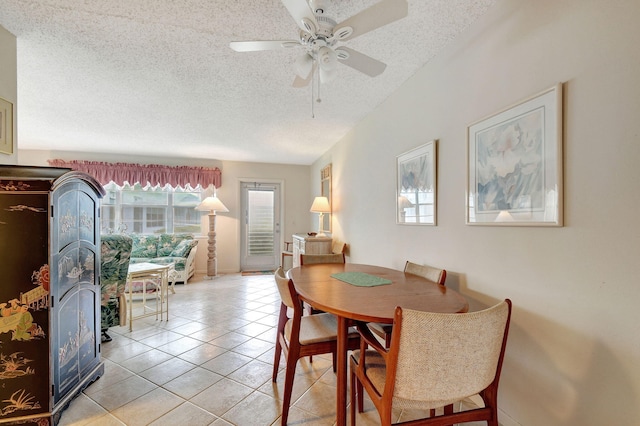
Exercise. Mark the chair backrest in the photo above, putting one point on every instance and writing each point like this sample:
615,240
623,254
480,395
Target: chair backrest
310,259
114,263
429,272
443,358
283,288
338,247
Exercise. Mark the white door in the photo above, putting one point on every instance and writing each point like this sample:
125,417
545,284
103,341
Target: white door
260,226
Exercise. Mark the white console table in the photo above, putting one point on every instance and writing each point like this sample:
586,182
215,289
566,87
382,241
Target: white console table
304,244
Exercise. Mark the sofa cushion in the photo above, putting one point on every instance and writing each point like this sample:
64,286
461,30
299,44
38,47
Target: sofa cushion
182,249
168,243
145,246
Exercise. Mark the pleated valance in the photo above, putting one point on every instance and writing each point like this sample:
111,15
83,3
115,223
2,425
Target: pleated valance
145,174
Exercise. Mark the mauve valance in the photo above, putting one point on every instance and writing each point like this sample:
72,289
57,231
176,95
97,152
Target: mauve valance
152,174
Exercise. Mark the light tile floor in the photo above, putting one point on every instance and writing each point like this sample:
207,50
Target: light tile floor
210,364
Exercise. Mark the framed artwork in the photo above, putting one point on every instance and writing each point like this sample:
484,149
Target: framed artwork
6,126
416,186
514,164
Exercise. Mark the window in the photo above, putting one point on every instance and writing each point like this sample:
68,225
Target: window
151,211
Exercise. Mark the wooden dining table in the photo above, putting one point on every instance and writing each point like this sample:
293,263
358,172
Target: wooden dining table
351,303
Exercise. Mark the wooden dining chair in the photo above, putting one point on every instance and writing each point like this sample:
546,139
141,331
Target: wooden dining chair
301,336
436,275
434,361
312,259
288,251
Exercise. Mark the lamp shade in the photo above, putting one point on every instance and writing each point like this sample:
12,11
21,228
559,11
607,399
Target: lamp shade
403,202
320,205
212,204
504,216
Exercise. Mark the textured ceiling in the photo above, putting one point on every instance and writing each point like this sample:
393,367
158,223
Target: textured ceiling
158,77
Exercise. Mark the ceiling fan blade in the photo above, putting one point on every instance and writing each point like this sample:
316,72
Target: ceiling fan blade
359,61
257,45
300,82
302,14
378,15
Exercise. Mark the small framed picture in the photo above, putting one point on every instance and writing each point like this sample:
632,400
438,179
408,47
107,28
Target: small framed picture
416,186
6,127
514,164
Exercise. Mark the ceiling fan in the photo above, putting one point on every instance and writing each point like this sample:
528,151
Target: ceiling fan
320,35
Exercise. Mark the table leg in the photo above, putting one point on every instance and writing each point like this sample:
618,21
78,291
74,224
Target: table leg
130,304
341,371
165,286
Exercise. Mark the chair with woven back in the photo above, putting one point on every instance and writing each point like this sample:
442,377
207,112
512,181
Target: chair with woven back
313,259
336,256
288,251
301,336
434,361
436,275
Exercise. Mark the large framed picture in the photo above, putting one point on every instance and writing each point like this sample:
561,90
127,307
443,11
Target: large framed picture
416,186
6,126
514,164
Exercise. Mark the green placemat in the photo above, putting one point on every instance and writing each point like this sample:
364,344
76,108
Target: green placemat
360,279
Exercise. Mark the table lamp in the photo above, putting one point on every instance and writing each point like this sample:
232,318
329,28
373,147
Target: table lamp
403,203
321,205
212,205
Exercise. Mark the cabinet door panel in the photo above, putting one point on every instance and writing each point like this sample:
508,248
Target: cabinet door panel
68,218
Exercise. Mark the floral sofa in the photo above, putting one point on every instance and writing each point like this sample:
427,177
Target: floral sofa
179,249
115,253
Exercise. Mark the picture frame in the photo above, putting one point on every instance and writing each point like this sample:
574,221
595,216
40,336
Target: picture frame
514,164
6,127
416,189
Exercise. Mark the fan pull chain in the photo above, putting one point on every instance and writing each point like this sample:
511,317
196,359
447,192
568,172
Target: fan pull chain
315,79
312,105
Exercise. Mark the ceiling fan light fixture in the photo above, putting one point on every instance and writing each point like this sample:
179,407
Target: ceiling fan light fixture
327,75
327,58
304,63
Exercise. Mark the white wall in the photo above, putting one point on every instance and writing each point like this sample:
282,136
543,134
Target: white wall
295,191
9,85
296,203
574,349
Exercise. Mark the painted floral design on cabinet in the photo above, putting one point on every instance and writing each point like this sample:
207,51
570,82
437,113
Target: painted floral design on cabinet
49,291
24,305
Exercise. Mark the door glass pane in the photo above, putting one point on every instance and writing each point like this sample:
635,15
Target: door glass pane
260,223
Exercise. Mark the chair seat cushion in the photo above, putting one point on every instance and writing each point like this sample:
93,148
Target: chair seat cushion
374,366
315,328
380,329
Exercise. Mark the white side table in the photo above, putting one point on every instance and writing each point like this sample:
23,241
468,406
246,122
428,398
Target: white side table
149,274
